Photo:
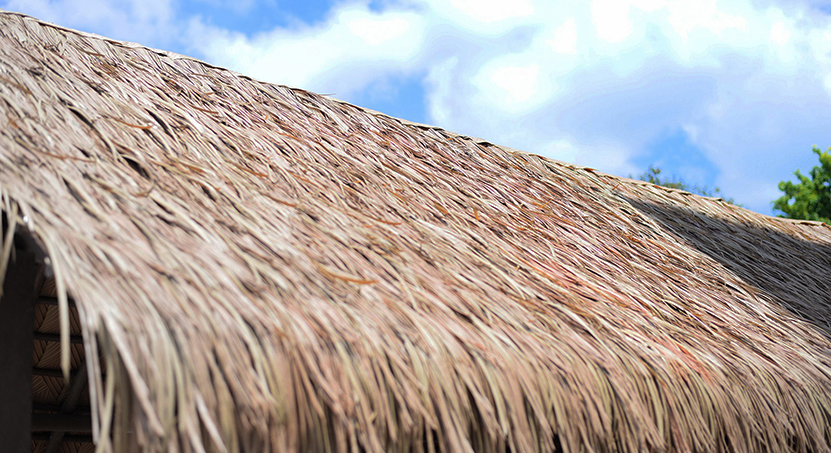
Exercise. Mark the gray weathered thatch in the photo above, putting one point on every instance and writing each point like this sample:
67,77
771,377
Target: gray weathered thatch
266,269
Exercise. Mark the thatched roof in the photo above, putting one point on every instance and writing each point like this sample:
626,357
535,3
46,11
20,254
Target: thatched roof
267,269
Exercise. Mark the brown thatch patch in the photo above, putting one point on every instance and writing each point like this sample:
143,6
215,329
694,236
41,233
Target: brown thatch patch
265,269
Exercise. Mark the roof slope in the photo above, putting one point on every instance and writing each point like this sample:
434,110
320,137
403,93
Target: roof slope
267,268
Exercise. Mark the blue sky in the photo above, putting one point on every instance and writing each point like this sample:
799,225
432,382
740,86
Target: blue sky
720,93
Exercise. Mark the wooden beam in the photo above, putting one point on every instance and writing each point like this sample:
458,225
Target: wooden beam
56,338
61,423
53,301
70,403
53,372
56,408
49,372
44,436
20,290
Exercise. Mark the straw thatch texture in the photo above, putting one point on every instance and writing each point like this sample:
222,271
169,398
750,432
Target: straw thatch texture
266,269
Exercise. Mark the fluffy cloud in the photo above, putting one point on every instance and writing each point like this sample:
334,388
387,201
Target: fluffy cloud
478,17
149,22
352,49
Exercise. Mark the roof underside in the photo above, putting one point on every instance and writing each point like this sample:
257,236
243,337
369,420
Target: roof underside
266,268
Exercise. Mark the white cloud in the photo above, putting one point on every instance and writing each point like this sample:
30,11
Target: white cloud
611,20
346,53
691,131
687,17
375,32
490,11
481,17
441,94
146,21
562,149
780,34
565,38
514,87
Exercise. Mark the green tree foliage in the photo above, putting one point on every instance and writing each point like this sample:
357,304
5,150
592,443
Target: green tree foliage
810,198
653,175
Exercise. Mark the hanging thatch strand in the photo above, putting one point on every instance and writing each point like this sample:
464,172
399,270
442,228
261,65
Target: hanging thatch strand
267,269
